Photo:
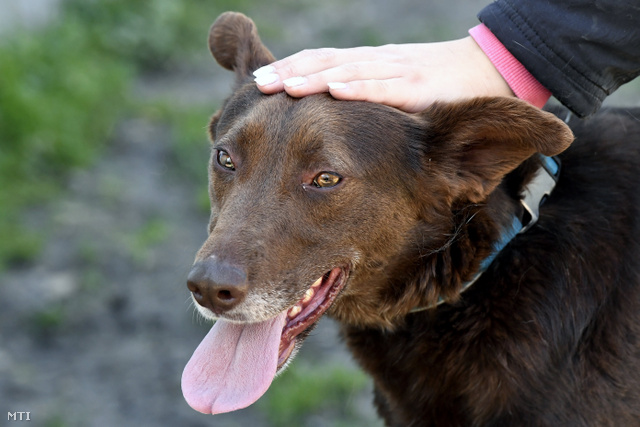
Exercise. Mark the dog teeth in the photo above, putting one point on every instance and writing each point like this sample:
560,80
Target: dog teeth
295,310
308,295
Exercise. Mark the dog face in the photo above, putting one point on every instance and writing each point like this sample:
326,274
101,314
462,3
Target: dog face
319,205
299,188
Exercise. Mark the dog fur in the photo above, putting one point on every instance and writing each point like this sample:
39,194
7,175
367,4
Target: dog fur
548,336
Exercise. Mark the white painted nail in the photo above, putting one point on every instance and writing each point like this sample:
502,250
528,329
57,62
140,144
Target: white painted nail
267,69
294,81
266,79
337,85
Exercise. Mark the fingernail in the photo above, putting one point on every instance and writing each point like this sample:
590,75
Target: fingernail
337,85
267,69
266,79
294,81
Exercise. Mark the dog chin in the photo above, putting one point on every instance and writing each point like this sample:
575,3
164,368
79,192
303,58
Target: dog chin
231,317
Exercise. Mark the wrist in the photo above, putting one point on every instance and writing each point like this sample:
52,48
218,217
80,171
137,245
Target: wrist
487,80
523,84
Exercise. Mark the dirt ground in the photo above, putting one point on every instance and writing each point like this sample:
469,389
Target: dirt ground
97,331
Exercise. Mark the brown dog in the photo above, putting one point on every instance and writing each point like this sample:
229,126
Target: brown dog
381,219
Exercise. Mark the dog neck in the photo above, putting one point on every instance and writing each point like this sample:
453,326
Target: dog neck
533,196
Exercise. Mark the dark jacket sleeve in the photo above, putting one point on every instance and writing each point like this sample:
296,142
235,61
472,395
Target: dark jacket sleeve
581,50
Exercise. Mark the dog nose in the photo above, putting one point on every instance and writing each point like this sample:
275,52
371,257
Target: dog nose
217,285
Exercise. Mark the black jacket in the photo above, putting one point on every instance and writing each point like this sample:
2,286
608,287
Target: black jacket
581,50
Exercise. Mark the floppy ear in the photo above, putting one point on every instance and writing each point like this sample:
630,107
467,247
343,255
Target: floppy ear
235,44
483,139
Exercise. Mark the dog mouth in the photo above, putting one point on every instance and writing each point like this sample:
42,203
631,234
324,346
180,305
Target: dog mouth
306,312
235,363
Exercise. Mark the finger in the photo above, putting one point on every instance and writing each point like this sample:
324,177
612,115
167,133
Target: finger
313,61
270,78
267,80
353,71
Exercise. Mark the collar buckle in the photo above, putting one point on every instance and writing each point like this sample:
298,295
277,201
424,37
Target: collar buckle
537,191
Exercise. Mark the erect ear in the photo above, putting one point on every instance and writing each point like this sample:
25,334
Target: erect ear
235,44
483,139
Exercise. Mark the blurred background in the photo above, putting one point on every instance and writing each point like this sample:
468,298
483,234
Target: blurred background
103,203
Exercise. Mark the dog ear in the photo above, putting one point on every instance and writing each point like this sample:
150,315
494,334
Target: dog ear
486,138
235,44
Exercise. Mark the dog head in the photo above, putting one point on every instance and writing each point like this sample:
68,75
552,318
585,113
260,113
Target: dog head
321,205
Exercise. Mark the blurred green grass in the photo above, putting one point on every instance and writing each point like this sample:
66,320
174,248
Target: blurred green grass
58,101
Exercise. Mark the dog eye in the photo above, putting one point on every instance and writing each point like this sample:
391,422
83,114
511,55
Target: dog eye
224,160
326,180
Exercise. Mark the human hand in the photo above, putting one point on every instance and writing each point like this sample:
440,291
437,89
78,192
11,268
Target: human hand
406,76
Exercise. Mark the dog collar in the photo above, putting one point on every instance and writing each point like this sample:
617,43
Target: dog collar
533,196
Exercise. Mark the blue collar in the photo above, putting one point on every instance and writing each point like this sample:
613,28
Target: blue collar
533,195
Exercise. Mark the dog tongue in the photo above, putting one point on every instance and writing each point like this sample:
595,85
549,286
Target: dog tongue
233,366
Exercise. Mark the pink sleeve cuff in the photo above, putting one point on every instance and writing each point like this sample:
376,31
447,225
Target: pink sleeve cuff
521,82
